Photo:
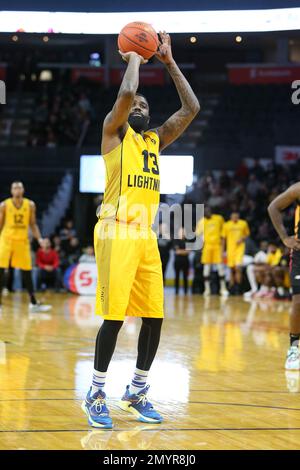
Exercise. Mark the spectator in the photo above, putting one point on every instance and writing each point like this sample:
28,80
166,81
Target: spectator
181,261
253,187
88,255
72,251
68,231
48,262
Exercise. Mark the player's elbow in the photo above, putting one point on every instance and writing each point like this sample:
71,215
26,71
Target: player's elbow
193,108
270,207
196,107
127,92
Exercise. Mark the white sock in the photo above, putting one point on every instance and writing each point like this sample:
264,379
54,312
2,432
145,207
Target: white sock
207,285
251,277
98,381
139,381
264,288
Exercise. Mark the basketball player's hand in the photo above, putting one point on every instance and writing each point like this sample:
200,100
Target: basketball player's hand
127,55
292,243
164,53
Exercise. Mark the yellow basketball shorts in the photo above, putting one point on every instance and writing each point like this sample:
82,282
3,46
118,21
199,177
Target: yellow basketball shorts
211,254
235,256
129,268
15,253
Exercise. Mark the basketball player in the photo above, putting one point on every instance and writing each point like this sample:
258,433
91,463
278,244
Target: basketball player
17,214
211,226
234,232
129,267
281,202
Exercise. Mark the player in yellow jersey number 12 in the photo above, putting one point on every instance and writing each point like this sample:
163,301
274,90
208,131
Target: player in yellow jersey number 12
17,215
129,268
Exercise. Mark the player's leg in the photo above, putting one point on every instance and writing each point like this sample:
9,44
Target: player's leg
177,268
164,262
250,270
94,405
21,259
185,271
239,255
28,284
221,272
239,279
206,261
117,260
232,280
5,256
148,343
217,260
146,300
206,276
293,354
134,399
34,306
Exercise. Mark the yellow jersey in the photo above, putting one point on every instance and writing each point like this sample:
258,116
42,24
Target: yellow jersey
211,228
273,259
16,221
297,221
132,189
234,231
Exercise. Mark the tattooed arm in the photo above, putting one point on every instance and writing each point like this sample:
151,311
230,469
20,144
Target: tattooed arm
275,209
190,106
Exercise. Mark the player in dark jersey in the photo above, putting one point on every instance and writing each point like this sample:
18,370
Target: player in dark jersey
281,202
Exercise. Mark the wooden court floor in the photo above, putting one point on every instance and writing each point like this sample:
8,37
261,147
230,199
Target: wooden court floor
218,378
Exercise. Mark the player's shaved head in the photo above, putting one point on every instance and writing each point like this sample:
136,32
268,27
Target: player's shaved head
143,96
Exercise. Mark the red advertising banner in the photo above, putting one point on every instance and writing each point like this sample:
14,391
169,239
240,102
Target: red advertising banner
263,74
285,155
148,76
2,72
90,73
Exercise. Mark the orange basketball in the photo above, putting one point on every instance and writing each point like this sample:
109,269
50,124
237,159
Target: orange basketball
138,37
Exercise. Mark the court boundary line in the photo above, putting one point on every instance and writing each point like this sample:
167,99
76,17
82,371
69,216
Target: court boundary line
250,405
149,430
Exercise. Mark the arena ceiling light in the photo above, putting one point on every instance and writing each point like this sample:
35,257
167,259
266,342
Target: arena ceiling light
228,21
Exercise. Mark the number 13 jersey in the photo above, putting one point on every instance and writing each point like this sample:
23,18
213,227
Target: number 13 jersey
132,187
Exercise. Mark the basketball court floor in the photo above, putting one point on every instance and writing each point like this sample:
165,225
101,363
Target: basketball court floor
218,378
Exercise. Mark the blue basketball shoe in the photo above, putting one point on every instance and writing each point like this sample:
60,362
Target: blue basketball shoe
139,405
96,410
